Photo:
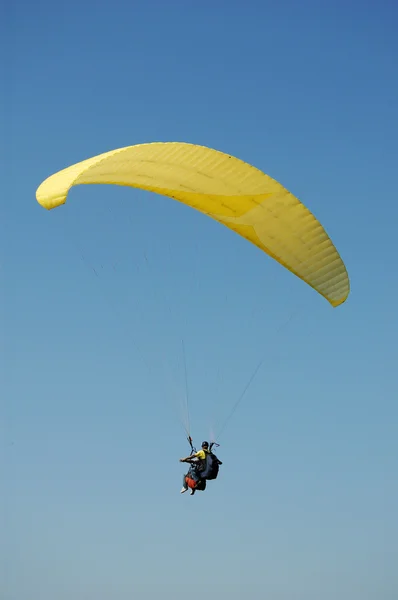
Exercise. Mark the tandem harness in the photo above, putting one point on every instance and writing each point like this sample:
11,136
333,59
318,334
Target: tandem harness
212,464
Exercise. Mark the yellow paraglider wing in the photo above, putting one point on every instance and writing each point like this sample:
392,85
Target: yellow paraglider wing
226,189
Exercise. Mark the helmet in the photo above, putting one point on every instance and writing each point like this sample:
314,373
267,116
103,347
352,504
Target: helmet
205,444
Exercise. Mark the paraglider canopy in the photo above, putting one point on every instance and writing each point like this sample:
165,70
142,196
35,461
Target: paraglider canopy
232,192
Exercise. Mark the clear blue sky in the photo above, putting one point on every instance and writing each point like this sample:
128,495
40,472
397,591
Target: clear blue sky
98,295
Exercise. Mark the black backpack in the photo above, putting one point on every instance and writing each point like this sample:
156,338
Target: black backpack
211,467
